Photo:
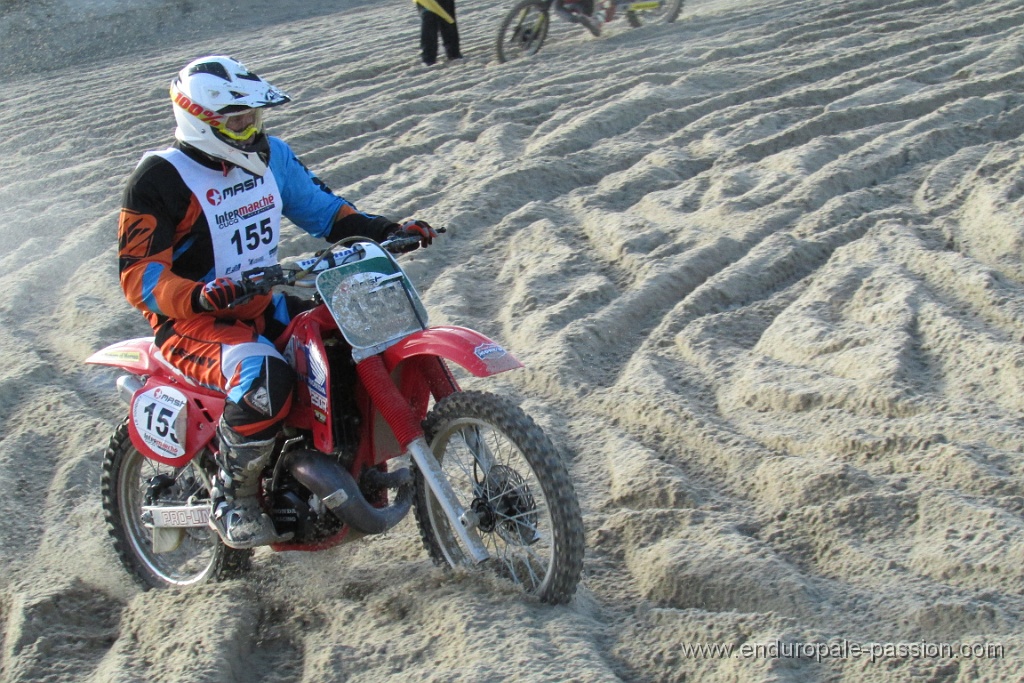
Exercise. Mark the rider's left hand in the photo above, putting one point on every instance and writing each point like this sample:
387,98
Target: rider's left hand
421,229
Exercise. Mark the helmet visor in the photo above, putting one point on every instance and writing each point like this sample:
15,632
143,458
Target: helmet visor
242,127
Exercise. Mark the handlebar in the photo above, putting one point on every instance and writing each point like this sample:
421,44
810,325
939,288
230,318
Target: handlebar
263,280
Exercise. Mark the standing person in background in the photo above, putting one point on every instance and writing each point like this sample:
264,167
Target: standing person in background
438,16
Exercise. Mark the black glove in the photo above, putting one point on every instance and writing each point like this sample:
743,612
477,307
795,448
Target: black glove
218,295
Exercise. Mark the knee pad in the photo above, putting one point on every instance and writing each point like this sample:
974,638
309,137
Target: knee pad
264,396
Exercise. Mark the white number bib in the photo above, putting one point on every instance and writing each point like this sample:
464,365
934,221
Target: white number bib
161,419
242,210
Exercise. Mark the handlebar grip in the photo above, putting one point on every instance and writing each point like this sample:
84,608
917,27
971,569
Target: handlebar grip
261,281
402,245
250,288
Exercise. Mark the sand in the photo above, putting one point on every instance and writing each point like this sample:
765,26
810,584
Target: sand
763,266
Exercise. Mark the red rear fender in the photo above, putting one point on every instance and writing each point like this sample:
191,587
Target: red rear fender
139,356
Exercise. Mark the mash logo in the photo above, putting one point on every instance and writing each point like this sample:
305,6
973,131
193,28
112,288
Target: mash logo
172,397
215,196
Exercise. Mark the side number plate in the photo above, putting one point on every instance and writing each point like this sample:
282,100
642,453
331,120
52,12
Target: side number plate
160,416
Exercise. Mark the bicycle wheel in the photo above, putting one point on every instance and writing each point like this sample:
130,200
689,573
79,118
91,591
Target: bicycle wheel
523,30
666,12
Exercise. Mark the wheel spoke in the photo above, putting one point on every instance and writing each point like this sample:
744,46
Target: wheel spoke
143,478
524,560
476,445
526,513
521,488
529,566
465,465
505,561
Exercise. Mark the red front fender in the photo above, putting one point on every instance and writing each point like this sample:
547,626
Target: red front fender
476,353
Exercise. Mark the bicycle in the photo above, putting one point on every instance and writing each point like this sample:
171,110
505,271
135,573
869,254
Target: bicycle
525,27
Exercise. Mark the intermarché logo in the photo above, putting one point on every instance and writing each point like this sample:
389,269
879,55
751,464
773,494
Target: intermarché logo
844,649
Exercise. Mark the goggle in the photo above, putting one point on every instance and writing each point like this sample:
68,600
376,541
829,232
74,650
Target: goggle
242,126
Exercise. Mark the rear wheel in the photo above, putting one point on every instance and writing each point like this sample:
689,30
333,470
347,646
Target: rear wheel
131,481
523,30
506,471
666,13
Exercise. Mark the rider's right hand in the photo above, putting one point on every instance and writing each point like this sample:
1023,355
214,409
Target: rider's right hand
218,295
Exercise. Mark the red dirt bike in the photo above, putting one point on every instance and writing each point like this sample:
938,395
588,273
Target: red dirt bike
487,486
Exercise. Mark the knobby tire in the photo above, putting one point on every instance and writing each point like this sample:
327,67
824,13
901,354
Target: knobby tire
122,467
519,532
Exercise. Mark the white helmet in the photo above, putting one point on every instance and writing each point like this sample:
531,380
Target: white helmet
217,106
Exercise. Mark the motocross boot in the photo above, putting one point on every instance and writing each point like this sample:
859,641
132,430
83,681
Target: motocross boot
237,516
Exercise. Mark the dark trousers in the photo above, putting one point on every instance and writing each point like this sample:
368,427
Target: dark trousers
431,25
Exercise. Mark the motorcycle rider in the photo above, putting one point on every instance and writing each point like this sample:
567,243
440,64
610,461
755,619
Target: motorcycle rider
590,13
193,217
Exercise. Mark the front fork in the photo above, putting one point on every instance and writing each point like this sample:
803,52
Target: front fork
464,522
399,416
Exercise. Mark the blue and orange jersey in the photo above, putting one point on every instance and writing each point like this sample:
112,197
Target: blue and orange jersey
165,248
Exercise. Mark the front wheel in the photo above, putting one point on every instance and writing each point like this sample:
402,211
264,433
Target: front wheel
523,30
190,556
665,11
507,473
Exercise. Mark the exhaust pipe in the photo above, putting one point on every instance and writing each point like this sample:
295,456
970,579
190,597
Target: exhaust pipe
340,492
127,386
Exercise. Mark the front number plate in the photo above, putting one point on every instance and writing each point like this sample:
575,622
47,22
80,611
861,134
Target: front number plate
184,516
